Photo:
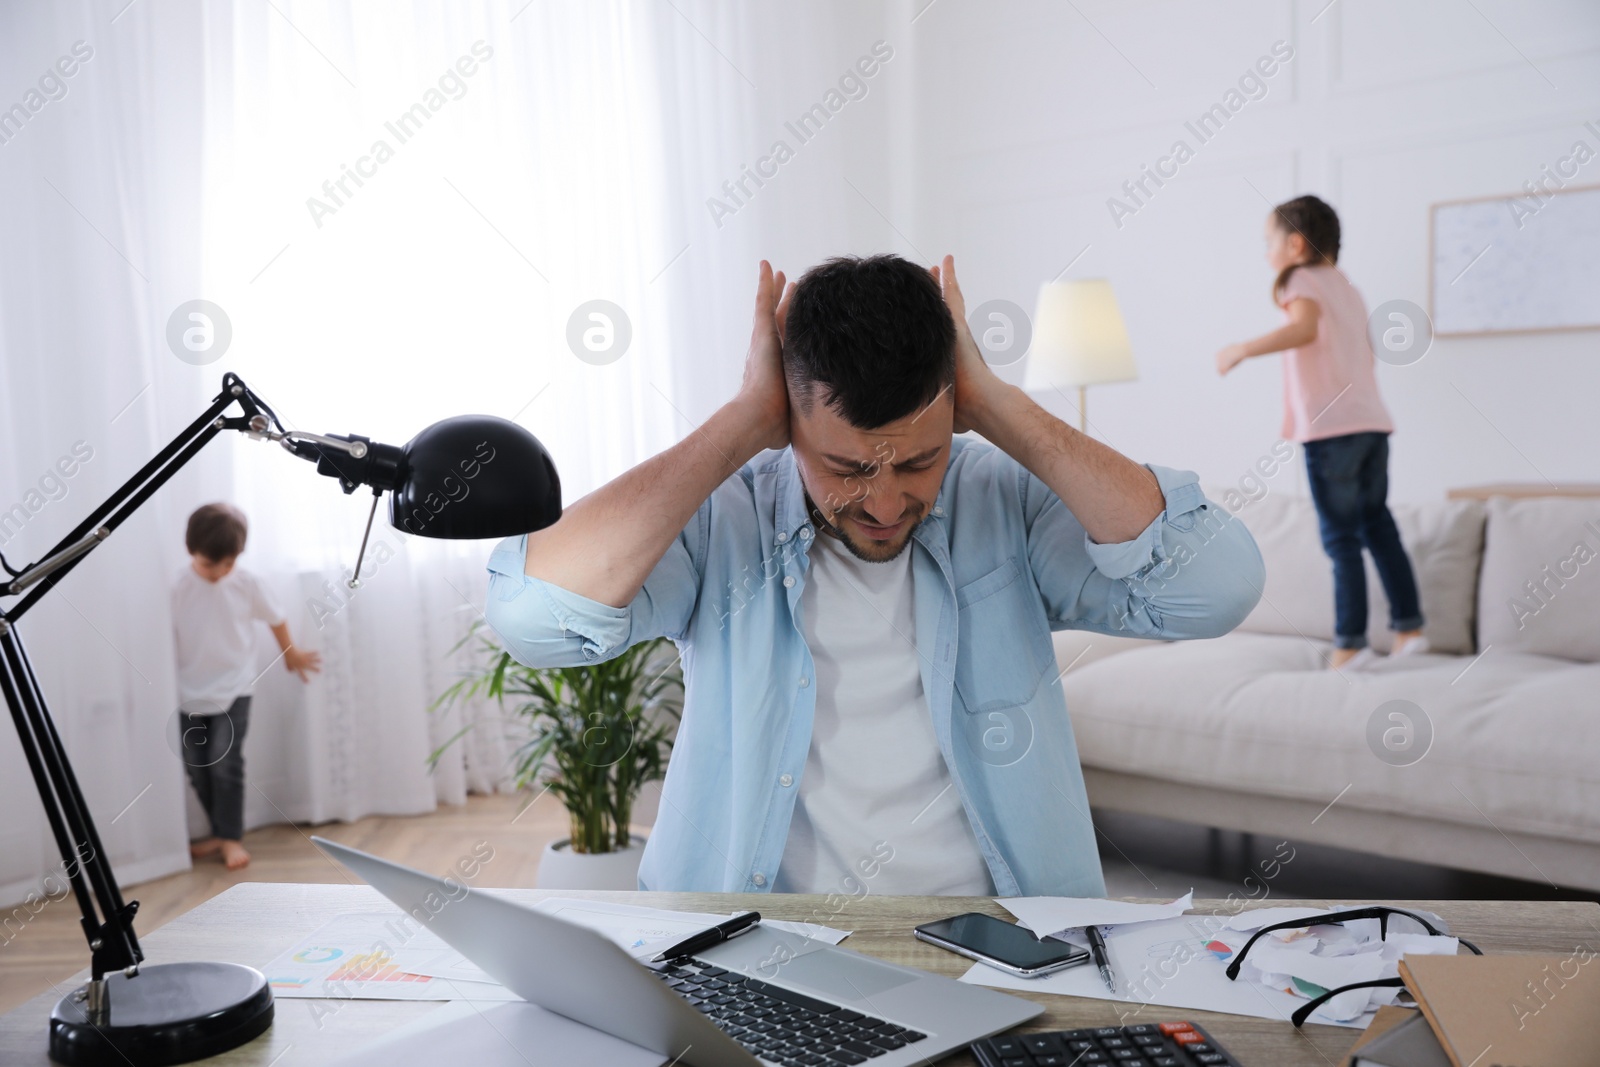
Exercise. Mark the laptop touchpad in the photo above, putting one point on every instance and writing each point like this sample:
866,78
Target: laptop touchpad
842,976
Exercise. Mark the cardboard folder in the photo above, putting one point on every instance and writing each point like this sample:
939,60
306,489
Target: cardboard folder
1511,1011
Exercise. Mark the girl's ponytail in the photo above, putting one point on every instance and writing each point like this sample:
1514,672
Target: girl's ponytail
1318,224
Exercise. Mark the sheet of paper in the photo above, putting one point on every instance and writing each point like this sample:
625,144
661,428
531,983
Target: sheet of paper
1176,963
1254,919
446,964
815,931
358,956
644,931
638,931
499,1035
384,956
1051,915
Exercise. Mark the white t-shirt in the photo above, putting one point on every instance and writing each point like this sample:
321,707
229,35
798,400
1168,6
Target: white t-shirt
876,807
212,625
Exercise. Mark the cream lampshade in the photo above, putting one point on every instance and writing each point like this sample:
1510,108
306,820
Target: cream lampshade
1078,340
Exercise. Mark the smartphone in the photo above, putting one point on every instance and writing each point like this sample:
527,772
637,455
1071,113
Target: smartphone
1001,944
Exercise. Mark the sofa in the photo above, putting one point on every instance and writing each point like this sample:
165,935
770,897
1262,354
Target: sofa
1482,754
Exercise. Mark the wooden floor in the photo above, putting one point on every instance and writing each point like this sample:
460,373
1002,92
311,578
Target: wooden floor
50,948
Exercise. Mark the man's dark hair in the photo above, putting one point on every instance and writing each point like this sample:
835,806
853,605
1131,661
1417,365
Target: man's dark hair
873,334
216,531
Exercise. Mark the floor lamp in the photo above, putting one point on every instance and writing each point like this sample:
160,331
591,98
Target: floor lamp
1078,341
467,477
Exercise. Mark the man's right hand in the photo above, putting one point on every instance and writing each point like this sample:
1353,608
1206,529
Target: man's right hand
606,544
764,395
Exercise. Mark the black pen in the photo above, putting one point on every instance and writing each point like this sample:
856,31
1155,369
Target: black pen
1097,945
715,936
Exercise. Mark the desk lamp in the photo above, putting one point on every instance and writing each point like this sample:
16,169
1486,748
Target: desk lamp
1078,341
466,477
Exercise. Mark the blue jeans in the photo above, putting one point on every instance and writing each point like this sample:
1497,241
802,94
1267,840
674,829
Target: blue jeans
213,756
1349,478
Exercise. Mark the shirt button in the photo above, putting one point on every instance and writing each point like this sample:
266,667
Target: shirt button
788,583
782,537
938,511
805,532
804,682
786,780
758,878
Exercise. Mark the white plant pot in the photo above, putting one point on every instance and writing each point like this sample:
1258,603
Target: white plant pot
562,868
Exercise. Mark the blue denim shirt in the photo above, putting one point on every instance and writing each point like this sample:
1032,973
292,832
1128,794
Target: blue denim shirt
997,564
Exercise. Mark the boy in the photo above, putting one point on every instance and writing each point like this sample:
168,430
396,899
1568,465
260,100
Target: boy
213,605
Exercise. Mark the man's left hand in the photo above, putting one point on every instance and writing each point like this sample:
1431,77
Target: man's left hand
975,382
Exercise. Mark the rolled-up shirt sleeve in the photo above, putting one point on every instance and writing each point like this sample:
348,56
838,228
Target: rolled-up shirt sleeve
543,624
1193,572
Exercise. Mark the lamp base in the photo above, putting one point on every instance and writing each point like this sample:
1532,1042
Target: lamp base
169,1013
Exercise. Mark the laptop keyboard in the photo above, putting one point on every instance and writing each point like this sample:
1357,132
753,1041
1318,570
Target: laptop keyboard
780,1025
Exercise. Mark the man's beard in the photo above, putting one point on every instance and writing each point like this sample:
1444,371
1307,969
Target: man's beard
870,551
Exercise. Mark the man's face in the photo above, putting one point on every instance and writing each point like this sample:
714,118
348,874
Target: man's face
869,488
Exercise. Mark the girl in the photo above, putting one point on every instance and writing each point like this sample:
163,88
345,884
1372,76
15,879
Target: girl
1331,405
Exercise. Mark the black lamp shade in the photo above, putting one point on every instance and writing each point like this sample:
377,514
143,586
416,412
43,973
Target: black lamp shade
475,476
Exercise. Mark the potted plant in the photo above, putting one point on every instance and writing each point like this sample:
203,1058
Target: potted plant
596,735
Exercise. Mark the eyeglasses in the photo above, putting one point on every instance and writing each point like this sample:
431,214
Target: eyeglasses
1336,918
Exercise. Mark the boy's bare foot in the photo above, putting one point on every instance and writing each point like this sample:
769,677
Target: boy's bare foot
234,857
208,846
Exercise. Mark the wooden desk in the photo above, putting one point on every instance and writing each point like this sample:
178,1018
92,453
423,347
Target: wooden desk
253,922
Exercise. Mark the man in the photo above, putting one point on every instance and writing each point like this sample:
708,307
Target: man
864,602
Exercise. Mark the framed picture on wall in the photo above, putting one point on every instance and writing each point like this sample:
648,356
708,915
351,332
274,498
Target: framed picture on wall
1516,264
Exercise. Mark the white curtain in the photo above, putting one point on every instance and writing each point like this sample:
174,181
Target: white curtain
98,173
534,157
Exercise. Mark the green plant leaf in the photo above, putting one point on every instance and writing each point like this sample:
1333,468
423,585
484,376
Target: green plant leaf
595,734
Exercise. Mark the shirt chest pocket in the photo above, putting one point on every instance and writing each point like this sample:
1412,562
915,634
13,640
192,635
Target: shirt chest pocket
1003,648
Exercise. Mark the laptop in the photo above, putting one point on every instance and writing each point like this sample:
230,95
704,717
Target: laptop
764,997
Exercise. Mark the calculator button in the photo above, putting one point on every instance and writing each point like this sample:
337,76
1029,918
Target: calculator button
1187,1037
1174,1028
1211,1057
1043,1043
1165,1061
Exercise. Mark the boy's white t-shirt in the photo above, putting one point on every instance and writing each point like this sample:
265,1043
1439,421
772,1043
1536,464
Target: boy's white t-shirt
876,806
212,623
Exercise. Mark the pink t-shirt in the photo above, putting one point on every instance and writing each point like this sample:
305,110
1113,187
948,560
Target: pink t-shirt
1329,386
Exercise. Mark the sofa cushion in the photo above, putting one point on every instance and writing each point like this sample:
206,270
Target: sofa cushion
1540,589
1079,648
1512,739
1444,541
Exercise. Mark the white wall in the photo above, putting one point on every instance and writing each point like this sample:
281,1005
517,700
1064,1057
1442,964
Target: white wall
1031,114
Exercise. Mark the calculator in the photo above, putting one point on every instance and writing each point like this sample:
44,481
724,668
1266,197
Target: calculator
1145,1045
